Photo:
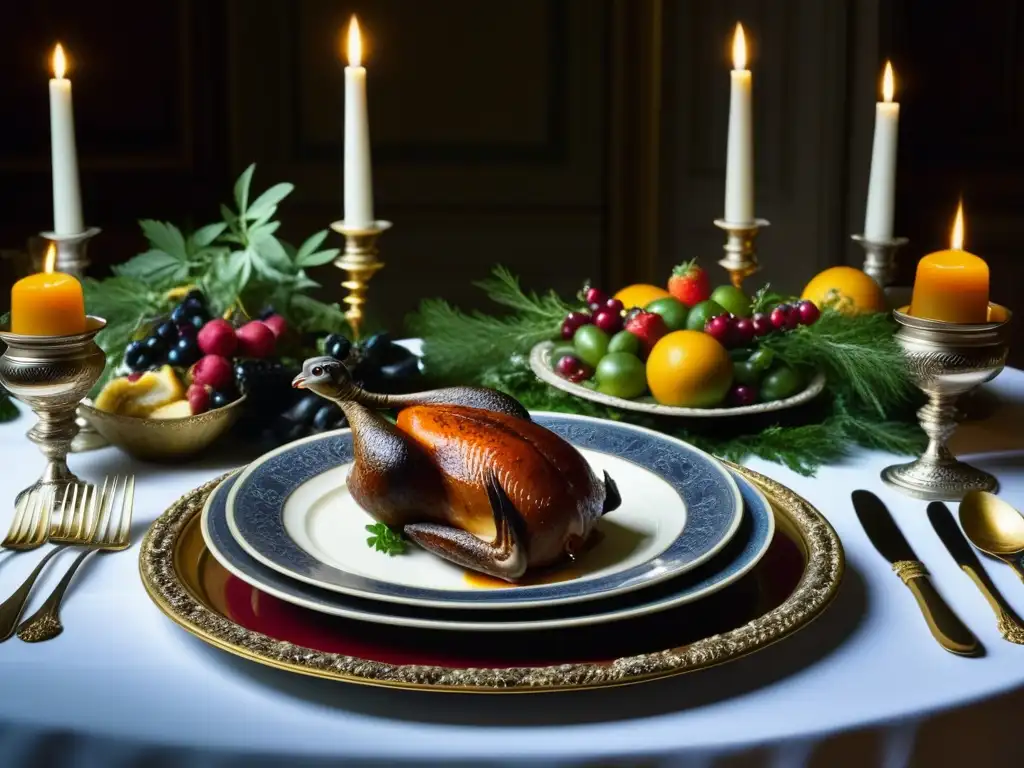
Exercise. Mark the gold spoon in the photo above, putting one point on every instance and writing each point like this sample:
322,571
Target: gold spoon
994,527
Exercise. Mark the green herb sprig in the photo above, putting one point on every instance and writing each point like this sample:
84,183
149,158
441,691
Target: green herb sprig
239,263
457,345
868,400
385,540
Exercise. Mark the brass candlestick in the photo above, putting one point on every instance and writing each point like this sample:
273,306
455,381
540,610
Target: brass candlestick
72,250
51,375
880,257
946,361
359,260
740,254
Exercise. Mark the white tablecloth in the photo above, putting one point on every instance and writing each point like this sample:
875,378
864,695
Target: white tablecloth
864,685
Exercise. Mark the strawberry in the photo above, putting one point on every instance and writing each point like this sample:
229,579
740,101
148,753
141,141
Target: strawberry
649,327
689,283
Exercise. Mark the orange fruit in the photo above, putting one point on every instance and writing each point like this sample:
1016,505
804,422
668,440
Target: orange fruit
856,291
689,368
640,295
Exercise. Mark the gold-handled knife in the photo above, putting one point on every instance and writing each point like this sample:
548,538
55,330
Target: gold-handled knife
885,535
1010,626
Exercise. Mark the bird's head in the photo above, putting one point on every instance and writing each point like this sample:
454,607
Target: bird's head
326,377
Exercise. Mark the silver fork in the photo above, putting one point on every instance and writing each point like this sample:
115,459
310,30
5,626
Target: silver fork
28,531
103,530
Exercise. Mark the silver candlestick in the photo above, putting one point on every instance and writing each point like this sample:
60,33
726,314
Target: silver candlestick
72,250
880,257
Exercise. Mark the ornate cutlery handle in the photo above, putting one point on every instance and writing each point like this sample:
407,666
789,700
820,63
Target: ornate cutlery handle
1009,623
12,607
945,626
45,624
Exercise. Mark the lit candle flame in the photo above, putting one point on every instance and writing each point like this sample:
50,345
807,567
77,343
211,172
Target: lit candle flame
60,63
355,44
956,239
888,83
50,259
739,48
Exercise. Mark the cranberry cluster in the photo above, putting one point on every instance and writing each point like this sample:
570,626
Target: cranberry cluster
731,331
605,313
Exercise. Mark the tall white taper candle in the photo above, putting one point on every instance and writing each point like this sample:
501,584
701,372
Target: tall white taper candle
739,166
67,196
882,184
358,176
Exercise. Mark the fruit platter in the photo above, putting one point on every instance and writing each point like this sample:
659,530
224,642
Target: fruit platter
188,378
684,350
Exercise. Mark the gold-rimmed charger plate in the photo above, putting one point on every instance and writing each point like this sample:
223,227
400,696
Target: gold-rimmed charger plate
792,585
543,366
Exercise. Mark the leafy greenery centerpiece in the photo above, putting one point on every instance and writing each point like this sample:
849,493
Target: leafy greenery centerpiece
868,400
238,263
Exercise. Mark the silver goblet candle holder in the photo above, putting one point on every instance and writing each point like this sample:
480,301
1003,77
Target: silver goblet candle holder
73,259
51,375
740,251
880,257
360,261
947,360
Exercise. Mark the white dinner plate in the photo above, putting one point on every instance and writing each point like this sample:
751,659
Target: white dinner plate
740,555
291,511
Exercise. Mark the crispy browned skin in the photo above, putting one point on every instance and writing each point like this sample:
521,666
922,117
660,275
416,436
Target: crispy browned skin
551,485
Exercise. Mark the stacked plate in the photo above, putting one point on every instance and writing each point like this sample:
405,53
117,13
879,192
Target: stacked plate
687,528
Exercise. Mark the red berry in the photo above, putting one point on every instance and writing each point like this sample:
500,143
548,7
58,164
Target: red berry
595,296
742,394
792,317
133,377
780,317
573,321
255,340
719,328
277,325
567,365
217,338
213,371
689,283
762,324
608,321
742,331
584,372
614,305
808,311
198,397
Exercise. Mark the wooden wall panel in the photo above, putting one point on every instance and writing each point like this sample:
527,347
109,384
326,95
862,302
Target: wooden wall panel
488,124
799,50
148,98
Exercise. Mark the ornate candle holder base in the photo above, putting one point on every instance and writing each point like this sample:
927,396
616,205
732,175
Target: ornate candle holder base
72,250
946,361
360,261
880,257
51,375
741,255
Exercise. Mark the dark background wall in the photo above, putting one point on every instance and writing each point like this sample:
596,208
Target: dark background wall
565,138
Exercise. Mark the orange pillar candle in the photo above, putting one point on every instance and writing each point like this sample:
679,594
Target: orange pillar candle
952,286
48,304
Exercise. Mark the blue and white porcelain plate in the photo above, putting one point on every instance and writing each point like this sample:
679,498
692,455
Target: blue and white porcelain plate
291,511
740,555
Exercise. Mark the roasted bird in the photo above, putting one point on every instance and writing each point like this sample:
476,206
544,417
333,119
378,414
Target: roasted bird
466,474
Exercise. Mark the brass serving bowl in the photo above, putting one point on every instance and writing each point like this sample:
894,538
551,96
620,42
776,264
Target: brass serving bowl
164,439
